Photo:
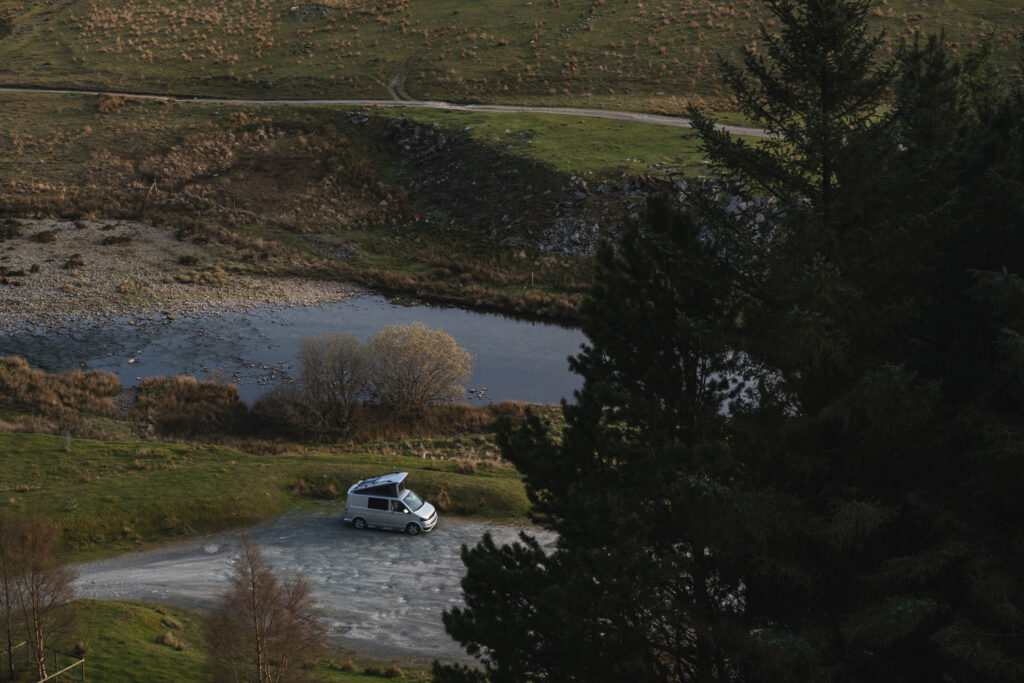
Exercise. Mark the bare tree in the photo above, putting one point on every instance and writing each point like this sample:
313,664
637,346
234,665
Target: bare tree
414,366
42,584
334,373
263,630
8,571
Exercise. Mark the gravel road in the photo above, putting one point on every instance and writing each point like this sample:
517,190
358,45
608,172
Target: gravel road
380,592
639,117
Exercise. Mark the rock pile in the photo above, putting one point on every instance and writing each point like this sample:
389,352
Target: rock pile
567,219
304,13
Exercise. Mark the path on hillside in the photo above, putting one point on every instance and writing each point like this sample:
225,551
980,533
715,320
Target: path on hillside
380,592
636,117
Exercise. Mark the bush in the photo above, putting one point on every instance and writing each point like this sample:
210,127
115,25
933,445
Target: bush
414,366
74,261
45,237
167,638
184,406
9,230
283,412
334,372
60,396
170,622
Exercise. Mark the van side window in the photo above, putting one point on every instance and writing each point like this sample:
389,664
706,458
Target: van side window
377,504
397,506
381,490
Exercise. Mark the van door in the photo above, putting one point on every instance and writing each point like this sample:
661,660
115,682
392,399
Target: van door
377,512
399,514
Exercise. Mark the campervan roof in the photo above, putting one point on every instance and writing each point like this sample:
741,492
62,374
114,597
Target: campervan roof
382,480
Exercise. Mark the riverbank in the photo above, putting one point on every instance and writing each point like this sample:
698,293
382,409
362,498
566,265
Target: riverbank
53,271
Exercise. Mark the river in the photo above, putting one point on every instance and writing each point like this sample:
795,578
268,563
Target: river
255,348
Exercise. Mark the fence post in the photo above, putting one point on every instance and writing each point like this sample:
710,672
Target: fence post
65,440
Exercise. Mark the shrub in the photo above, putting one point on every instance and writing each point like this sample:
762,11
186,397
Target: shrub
414,366
115,239
283,412
108,104
465,466
59,396
167,638
45,237
443,501
74,261
9,230
170,622
184,406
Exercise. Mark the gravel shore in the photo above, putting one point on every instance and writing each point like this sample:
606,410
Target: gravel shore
71,271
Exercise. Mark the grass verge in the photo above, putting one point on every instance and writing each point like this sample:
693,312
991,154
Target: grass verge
110,497
121,642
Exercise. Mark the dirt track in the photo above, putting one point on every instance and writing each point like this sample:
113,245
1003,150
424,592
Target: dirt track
655,119
381,592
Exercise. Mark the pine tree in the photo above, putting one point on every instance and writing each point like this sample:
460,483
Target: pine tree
631,486
875,456
855,516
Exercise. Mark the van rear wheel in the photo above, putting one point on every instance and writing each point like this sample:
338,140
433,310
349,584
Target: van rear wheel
412,529
359,523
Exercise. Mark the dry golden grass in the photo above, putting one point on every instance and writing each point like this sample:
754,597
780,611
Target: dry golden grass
379,424
60,396
184,406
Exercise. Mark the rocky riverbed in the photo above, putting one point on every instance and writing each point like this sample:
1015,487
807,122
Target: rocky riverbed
54,271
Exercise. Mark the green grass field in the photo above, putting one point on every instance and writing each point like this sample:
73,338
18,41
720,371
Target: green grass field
119,641
111,497
633,54
53,138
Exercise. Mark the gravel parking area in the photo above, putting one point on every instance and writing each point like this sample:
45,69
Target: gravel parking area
380,592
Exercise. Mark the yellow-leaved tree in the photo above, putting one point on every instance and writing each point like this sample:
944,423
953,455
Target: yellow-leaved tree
414,366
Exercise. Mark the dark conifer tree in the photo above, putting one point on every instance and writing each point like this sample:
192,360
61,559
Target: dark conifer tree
631,487
856,515
872,453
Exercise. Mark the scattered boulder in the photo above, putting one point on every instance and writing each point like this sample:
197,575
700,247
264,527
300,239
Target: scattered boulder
304,13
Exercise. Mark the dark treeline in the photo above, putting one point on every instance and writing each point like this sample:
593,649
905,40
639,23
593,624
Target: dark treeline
797,453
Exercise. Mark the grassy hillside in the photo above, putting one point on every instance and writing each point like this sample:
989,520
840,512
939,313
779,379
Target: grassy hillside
632,54
446,205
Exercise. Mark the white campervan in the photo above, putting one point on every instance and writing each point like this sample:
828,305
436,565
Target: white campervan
383,502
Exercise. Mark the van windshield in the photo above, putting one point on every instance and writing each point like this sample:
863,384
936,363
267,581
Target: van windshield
413,501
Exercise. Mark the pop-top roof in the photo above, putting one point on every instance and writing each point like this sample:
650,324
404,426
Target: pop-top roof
381,480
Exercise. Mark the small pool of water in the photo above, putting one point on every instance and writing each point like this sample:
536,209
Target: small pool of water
255,349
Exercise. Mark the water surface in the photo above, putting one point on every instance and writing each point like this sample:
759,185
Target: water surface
255,348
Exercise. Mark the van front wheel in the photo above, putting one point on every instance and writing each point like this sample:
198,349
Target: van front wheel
412,529
359,523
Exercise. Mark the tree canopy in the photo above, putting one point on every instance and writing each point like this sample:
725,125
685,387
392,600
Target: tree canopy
796,454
